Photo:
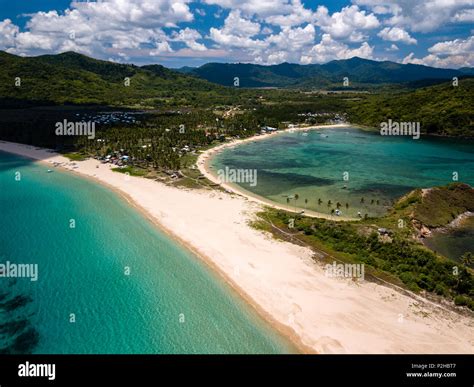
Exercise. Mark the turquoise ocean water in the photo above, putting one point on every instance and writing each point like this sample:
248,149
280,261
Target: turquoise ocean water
169,303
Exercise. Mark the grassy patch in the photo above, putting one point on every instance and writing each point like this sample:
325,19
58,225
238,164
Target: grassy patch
187,183
132,171
74,156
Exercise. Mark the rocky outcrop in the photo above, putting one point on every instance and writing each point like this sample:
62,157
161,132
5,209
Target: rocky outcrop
423,231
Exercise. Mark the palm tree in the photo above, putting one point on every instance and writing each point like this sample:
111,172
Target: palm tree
378,202
338,205
329,203
372,201
287,200
296,196
305,203
362,200
332,211
467,259
319,201
347,205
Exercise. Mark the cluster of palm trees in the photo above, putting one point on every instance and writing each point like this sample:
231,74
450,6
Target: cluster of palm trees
338,205
161,140
329,203
372,202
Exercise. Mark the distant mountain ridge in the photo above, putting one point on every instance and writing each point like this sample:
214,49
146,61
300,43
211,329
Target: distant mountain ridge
358,70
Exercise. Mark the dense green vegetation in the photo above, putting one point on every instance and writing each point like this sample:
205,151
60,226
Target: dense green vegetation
441,109
72,78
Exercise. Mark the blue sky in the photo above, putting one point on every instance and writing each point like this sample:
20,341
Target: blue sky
189,33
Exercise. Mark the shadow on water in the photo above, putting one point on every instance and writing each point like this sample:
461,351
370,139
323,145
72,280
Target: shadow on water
384,189
278,182
12,162
233,161
8,161
17,334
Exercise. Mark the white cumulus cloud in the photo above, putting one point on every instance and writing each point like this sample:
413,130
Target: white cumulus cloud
259,8
396,34
393,47
189,37
8,32
99,28
329,49
349,24
449,54
420,15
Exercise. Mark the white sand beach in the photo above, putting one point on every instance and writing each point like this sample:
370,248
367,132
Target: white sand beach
281,280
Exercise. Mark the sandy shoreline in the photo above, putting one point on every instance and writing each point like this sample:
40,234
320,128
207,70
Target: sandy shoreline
281,280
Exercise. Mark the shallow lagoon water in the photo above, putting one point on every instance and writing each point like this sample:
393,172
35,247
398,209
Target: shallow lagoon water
347,164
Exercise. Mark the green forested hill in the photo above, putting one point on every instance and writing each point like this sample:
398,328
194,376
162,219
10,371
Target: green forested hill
442,109
441,205
75,78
